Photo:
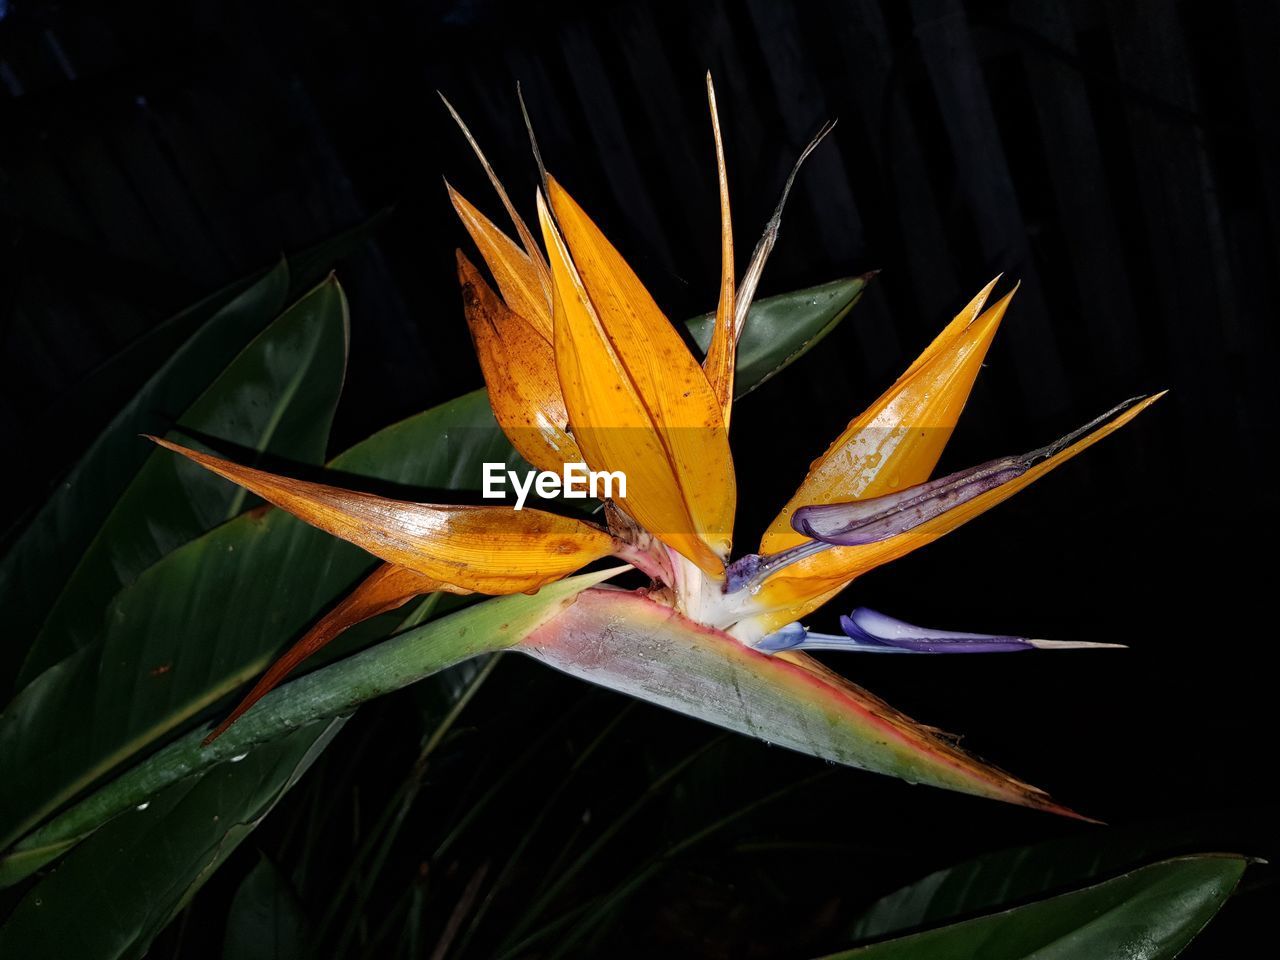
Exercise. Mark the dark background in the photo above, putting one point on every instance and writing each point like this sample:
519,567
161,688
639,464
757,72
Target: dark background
1120,159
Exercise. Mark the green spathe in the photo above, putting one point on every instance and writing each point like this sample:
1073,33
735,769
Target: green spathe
631,644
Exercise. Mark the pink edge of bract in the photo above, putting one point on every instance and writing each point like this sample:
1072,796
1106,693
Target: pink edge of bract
578,640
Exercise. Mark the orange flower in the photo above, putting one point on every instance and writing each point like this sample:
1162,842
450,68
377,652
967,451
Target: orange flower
582,365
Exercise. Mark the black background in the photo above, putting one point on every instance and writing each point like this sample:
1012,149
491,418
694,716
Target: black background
1120,159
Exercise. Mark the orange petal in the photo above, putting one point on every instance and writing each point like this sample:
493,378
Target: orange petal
384,590
520,371
721,357
638,402
802,587
494,550
514,272
897,441
522,231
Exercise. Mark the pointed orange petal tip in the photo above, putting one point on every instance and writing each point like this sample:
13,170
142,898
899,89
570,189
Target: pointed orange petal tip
493,550
522,230
721,360
515,273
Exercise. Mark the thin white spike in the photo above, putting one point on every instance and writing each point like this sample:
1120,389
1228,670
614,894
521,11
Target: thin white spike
1075,645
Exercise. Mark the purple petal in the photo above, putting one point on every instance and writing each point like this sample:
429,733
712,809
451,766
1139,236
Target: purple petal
739,573
878,518
867,631
787,638
868,625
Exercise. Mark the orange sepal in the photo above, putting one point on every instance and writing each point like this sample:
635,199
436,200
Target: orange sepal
512,268
522,230
722,353
896,442
638,401
519,369
493,550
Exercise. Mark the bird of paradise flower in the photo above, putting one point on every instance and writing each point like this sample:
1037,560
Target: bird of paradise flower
581,365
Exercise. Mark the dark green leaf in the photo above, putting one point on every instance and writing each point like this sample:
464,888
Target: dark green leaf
118,889
277,396
180,357
1149,914
487,627
266,921
779,330
1016,875
35,568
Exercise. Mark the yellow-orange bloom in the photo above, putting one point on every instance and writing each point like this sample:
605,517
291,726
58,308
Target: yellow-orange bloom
581,365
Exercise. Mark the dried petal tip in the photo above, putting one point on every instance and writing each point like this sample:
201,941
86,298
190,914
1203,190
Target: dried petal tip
867,631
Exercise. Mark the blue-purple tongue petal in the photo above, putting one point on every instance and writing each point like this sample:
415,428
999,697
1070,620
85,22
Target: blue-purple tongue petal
870,626
861,522
786,638
867,631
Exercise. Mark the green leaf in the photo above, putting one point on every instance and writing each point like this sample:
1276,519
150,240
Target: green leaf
209,617
266,920
779,330
174,362
277,396
40,560
487,627
1149,914
1023,873
118,889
